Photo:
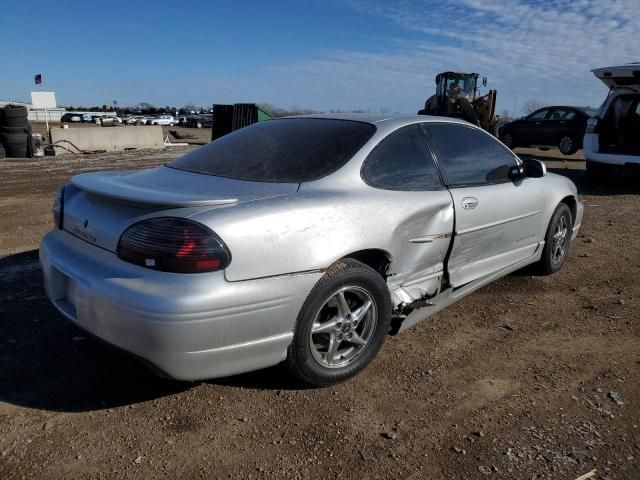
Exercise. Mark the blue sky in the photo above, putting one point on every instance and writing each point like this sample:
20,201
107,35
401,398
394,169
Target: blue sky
321,54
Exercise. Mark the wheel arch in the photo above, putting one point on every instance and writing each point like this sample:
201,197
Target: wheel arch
376,258
572,203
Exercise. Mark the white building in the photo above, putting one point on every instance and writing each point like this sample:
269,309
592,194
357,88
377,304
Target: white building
42,107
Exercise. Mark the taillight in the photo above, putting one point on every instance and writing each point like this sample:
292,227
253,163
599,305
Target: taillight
58,208
592,125
173,245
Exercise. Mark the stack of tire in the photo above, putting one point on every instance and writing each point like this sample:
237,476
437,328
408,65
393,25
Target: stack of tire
15,134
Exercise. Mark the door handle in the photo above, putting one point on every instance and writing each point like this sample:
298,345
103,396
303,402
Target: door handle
469,203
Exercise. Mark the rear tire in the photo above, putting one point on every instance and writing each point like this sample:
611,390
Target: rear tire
567,145
341,326
556,241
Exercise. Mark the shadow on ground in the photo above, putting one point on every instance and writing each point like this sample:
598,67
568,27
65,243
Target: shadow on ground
48,363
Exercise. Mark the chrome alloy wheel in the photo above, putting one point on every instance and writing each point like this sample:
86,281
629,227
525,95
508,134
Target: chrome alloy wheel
560,239
343,327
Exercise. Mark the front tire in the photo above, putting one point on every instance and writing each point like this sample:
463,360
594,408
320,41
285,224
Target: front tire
341,326
556,241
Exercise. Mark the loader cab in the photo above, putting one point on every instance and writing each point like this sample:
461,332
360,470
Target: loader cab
466,81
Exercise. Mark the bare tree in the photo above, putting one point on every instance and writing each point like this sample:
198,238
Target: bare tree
190,107
531,106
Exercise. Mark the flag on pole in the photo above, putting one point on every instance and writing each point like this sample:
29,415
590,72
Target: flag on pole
38,79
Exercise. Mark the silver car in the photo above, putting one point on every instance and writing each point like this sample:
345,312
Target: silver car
305,240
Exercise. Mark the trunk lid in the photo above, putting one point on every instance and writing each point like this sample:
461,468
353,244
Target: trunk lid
627,76
99,206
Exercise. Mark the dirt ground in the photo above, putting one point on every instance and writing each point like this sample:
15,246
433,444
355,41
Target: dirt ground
531,377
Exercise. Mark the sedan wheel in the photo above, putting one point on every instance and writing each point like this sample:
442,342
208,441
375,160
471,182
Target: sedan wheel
560,240
342,324
507,139
567,145
343,327
557,240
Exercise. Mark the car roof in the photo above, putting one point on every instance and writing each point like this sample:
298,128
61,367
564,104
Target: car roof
570,107
379,118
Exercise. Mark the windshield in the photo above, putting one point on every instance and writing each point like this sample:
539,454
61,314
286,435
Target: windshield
460,85
290,150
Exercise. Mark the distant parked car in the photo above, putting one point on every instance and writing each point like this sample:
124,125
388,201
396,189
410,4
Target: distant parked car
561,127
204,120
110,119
87,117
71,118
162,120
612,138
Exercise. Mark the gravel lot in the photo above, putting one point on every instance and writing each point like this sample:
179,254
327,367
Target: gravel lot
528,378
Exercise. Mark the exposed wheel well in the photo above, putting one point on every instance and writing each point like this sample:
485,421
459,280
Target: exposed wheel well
375,258
572,204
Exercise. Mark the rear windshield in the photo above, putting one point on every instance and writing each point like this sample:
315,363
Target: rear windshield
291,150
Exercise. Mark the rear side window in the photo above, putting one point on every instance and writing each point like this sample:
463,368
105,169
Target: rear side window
291,150
562,114
402,161
468,156
539,115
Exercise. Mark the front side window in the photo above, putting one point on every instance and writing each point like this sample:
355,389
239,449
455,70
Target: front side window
468,156
402,161
288,150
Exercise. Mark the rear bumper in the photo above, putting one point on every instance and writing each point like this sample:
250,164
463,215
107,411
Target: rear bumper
190,327
591,147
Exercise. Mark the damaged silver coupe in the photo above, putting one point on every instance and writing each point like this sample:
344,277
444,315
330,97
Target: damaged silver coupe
305,240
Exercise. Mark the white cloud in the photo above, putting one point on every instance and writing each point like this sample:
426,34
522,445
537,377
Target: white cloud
541,50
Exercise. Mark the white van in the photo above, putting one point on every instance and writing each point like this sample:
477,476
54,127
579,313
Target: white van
613,135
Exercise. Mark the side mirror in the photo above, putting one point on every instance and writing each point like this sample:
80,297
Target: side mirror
516,172
484,81
533,168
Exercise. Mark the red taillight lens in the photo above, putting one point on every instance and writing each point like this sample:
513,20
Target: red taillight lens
173,245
